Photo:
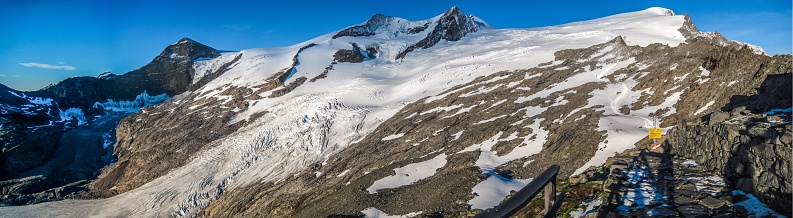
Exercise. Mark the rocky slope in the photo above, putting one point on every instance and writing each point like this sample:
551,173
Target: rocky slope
347,124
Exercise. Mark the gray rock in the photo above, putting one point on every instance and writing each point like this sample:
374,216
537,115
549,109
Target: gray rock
768,179
786,137
712,203
692,210
761,131
738,111
683,200
718,117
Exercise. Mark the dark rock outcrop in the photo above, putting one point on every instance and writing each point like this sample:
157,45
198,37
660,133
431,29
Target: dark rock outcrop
356,55
774,92
453,25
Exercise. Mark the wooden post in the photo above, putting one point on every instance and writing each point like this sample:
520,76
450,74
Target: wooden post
550,194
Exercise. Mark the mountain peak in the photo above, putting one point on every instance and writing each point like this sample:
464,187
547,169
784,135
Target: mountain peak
660,11
452,25
367,29
453,11
185,40
455,24
188,48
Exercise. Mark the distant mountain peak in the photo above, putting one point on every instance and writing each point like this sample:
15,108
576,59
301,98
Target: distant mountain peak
452,25
185,40
188,48
367,29
453,11
660,11
455,24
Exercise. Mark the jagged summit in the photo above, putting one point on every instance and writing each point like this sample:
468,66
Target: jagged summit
185,40
457,22
188,48
452,25
367,29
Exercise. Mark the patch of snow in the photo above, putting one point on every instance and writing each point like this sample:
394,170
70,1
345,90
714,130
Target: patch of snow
712,183
376,213
493,190
439,109
732,82
705,72
754,206
690,163
343,173
681,78
481,90
33,100
409,174
40,101
461,111
142,100
491,119
586,208
457,135
107,140
392,137
703,108
73,114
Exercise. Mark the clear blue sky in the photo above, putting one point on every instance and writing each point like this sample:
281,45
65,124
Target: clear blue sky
43,42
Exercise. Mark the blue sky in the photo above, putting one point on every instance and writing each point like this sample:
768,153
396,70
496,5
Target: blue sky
44,42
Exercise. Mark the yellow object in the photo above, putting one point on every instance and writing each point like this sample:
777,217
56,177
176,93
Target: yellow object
655,133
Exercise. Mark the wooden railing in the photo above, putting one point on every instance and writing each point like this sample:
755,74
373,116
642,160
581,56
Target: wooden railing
546,180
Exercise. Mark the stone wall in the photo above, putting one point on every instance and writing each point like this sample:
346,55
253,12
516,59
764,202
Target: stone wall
752,153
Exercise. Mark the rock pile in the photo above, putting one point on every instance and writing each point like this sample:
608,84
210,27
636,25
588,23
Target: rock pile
750,145
752,152
659,184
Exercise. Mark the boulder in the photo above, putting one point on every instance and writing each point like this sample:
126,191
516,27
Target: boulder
738,111
718,117
712,203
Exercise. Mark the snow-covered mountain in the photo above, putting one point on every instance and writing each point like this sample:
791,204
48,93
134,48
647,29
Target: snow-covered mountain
444,115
